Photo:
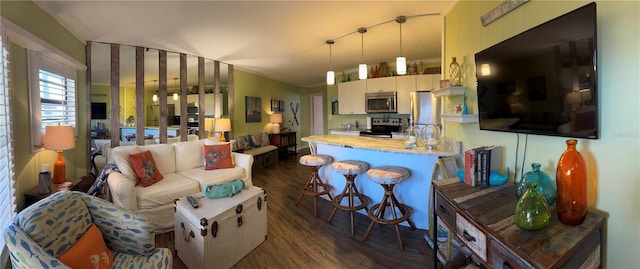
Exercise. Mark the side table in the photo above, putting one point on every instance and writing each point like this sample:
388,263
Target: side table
284,141
33,195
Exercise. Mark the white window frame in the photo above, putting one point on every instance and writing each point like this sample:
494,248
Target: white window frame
38,62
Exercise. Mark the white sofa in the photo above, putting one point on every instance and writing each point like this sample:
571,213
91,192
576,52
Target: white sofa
104,147
182,166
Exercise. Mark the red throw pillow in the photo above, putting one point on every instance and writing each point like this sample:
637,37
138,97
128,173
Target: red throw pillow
145,168
217,156
89,252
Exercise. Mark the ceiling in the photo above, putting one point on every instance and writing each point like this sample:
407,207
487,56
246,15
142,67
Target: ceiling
281,40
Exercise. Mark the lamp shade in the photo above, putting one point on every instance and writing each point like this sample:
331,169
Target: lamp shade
208,126
59,137
275,118
401,65
222,125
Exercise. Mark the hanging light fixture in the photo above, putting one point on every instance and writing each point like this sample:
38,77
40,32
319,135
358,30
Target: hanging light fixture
401,61
362,68
175,94
331,76
155,94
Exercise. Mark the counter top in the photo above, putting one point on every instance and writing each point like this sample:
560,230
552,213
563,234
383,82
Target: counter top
376,144
152,127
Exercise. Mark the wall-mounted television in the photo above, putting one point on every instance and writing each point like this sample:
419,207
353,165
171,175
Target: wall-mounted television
98,111
542,81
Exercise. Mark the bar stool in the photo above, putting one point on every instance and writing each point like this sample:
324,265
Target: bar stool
314,186
388,177
350,169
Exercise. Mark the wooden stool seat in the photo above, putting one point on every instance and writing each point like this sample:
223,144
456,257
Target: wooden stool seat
388,177
314,186
350,169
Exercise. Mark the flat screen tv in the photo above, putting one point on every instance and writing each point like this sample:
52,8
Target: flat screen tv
98,111
542,81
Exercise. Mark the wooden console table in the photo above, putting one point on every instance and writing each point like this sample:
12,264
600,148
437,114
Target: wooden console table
284,141
482,219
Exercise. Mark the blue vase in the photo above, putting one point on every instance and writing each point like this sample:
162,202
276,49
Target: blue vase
543,182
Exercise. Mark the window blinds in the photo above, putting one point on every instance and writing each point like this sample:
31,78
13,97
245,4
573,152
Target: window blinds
7,177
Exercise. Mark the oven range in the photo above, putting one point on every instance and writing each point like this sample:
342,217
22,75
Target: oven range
382,127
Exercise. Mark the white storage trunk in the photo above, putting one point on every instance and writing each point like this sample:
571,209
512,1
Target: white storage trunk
220,232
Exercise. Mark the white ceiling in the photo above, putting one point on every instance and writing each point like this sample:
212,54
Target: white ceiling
282,40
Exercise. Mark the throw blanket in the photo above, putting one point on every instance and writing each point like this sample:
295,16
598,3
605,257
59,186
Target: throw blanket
101,180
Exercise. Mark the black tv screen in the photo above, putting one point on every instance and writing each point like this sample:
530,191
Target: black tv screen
98,111
542,81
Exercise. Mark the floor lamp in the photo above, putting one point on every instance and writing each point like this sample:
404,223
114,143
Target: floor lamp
59,138
222,125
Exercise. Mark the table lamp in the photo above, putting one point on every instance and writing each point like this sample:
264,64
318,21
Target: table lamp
275,119
222,125
59,138
208,126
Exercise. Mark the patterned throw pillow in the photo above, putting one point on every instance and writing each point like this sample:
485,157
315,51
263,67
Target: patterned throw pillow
264,139
243,142
254,140
145,168
217,156
89,252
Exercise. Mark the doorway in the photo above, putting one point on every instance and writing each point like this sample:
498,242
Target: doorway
317,114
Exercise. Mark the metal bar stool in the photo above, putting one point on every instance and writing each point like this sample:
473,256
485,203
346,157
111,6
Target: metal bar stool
388,177
314,186
350,169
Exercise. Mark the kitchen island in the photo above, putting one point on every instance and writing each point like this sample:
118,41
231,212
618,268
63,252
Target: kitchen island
414,191
127,132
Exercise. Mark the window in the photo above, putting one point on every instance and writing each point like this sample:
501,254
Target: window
7,177
53,95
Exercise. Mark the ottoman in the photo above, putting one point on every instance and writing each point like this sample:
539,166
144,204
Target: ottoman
220,232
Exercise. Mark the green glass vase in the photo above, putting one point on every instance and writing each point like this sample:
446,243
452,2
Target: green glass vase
532,211
546,186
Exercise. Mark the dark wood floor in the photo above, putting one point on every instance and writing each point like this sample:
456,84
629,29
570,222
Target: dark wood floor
298,240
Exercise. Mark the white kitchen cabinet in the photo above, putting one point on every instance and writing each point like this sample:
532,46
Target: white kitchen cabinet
192,99
428,82
209,104
385,84
351,97
404,86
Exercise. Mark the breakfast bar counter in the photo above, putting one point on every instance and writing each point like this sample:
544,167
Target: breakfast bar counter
414,191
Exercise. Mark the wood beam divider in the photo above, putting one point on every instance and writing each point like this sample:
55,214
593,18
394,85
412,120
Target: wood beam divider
183,97
201,104
162,95
140,136
115,95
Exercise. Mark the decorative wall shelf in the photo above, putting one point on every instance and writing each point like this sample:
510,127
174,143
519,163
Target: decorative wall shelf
468,118
449,91
454,91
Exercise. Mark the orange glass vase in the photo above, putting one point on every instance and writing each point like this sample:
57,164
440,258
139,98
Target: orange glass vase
571,178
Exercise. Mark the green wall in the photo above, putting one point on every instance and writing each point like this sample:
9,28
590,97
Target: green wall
31,18
247,84
612,161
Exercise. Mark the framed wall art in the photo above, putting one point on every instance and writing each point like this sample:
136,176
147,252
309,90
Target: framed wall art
253,109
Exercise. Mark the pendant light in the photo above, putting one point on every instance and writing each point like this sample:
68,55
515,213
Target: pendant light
331,76
401,61
362,68
155,94
175,85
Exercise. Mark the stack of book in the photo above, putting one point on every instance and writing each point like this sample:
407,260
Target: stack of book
479,162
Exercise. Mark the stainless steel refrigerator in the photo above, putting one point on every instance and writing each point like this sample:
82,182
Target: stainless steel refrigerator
424,109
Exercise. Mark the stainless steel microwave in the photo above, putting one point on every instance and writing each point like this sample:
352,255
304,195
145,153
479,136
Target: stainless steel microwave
381,102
